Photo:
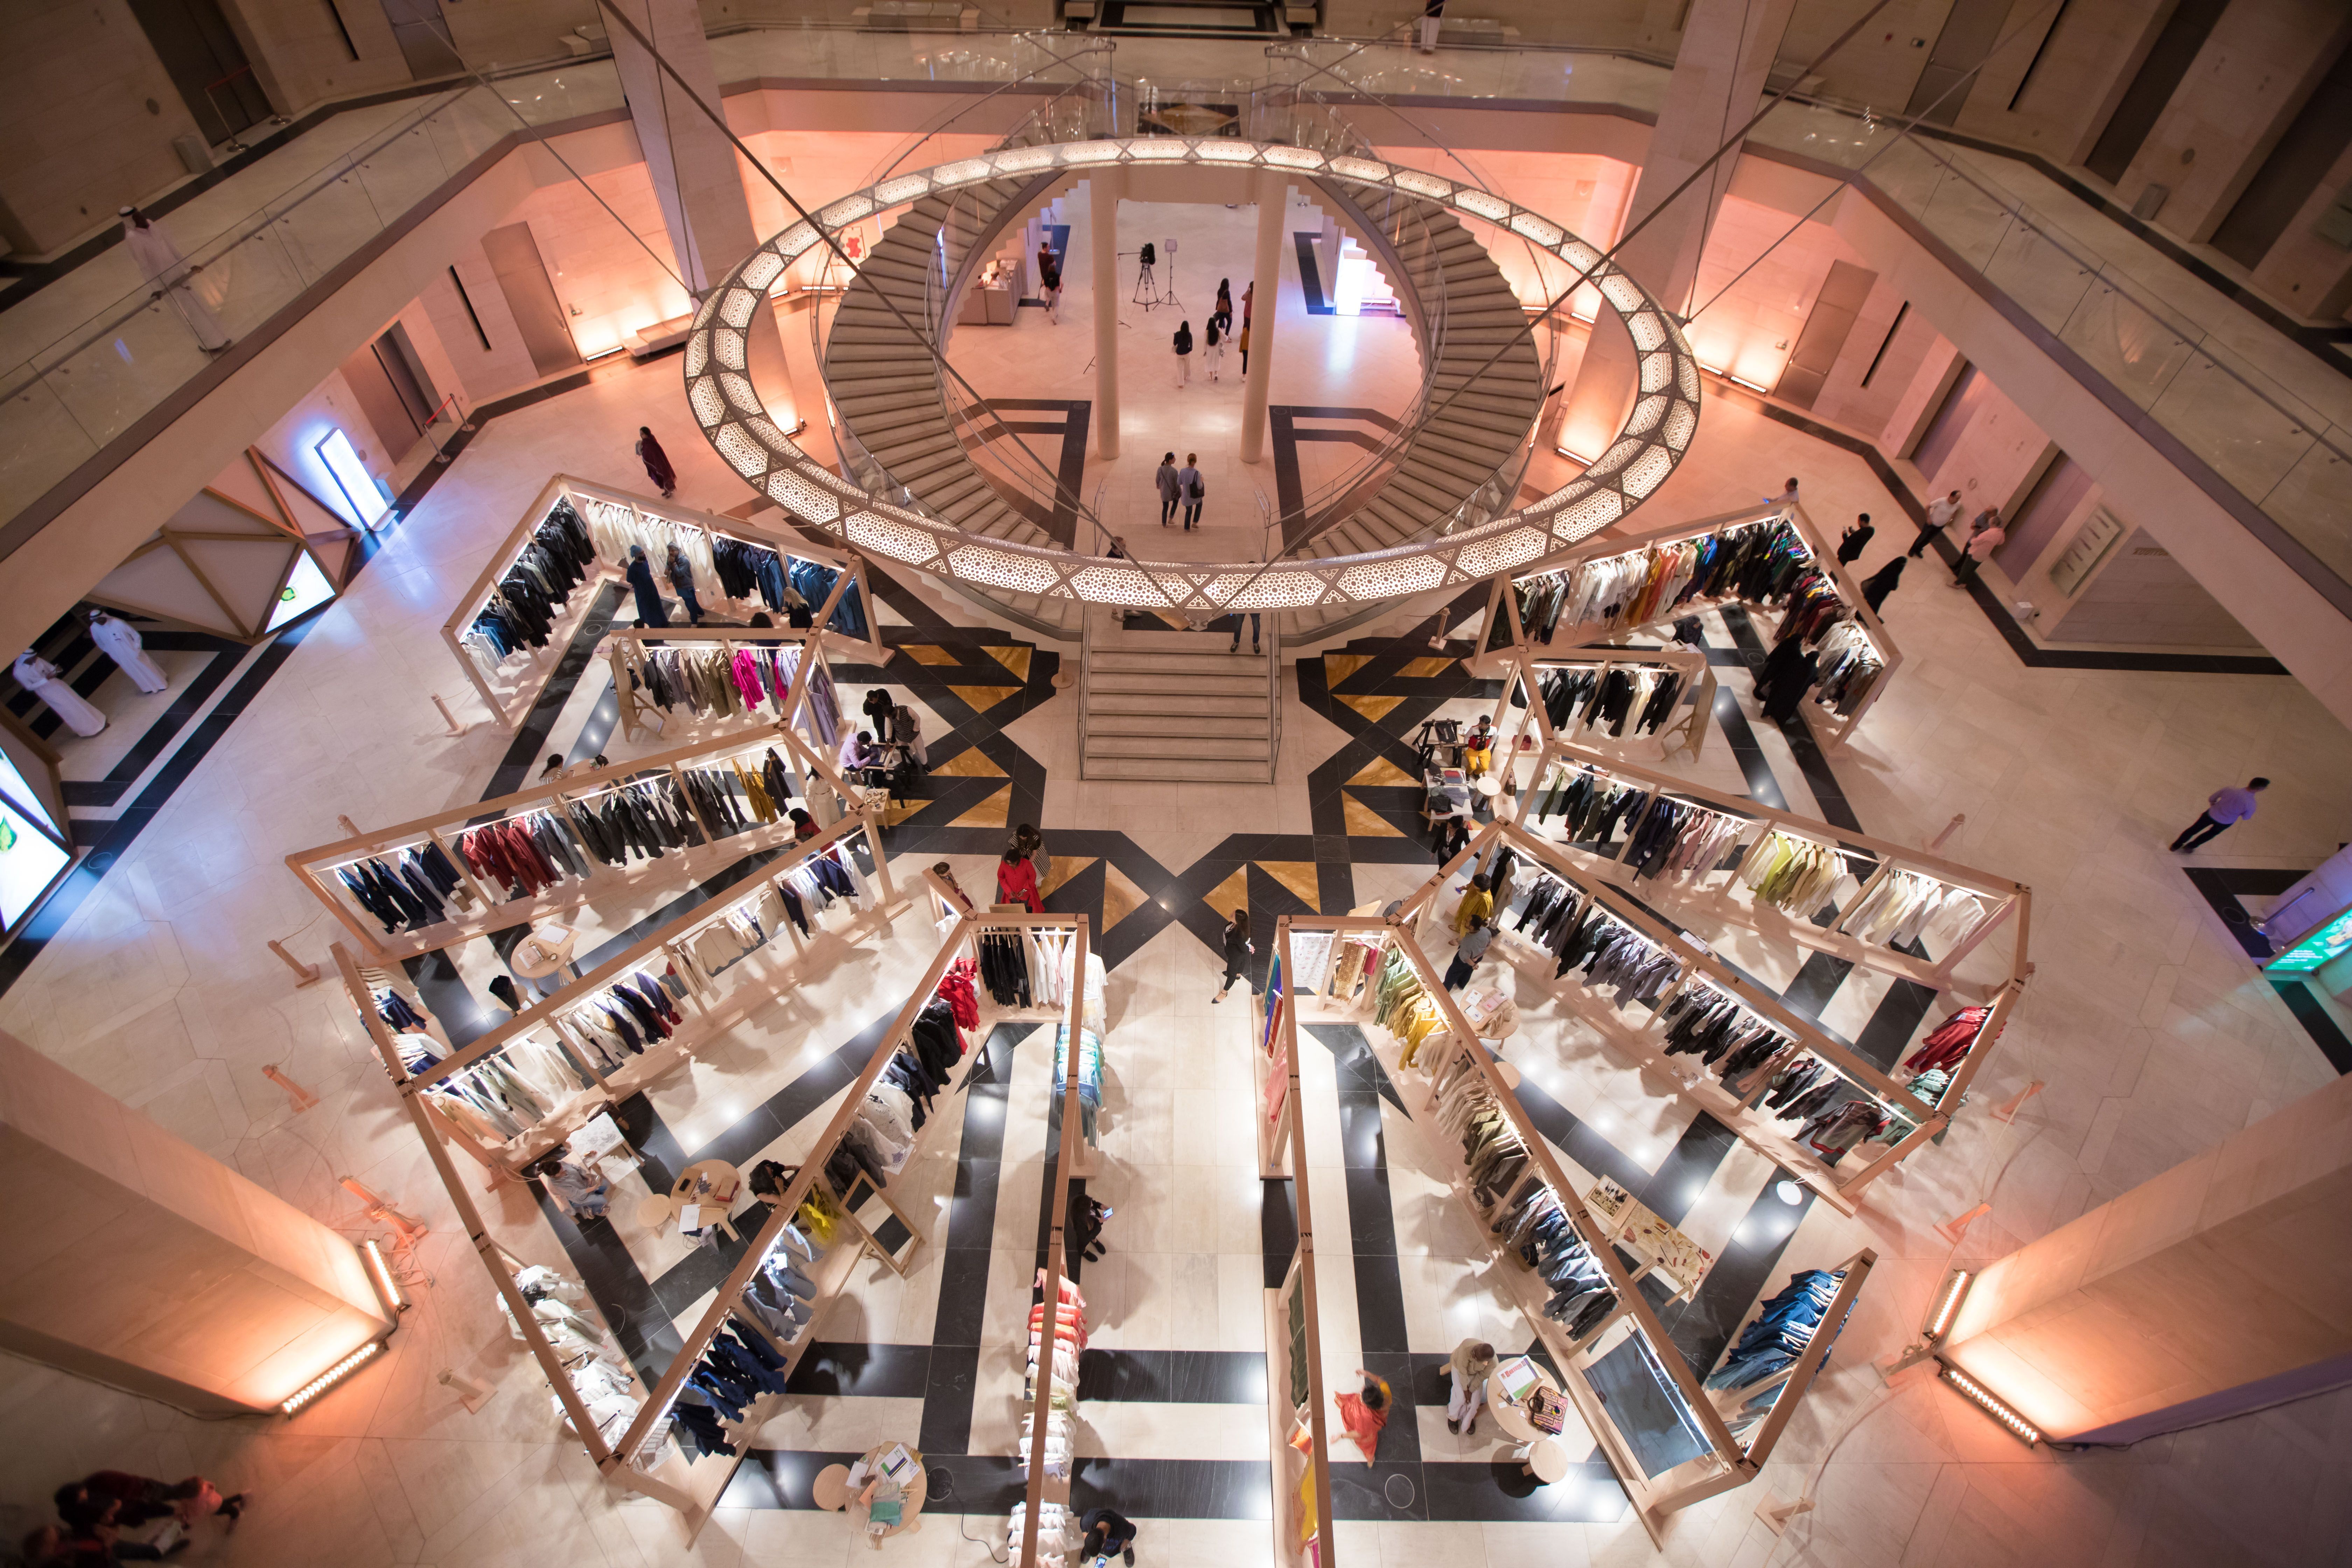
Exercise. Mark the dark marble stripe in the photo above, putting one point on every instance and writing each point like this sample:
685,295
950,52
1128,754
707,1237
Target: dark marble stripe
1745,1270
867,1371
1173,1377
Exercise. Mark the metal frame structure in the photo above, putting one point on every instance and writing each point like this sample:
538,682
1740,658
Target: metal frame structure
1656,433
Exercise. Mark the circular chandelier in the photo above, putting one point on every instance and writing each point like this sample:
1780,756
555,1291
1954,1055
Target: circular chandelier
1655,437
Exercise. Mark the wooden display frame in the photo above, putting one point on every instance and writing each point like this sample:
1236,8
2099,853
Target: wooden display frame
1725,1465
639,880
1503,606
731,640
2008,897
512,706
1520,668
700,1020
1288,1551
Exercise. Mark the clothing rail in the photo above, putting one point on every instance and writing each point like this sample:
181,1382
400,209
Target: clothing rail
512,701
1737,1107
1725,1465
2006,900
731,640
1503,609
615,1466
676,869
1282,1373
1521,667
706,1020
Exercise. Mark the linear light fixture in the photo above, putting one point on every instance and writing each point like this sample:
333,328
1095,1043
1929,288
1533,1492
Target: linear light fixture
1577,458
1992,1405
384,1283
1743,381
331,1377
1955,1290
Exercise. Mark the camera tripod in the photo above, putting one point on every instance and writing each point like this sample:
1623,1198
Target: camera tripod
1147,293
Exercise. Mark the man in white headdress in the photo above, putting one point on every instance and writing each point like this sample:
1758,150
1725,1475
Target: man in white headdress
122,643
39,676
160,263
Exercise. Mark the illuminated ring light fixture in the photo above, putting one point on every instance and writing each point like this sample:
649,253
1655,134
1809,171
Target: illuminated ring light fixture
1655,436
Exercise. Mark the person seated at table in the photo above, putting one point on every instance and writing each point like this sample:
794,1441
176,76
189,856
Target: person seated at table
857,752
582,1190
1478,748
1472,1362
1364,1415
1106,1531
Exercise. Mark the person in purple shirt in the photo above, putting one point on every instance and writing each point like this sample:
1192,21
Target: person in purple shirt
2223,807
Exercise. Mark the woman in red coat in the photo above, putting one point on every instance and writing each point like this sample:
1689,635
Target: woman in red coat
1016,883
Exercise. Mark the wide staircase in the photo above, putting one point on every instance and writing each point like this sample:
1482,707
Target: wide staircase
1463,309
1177,706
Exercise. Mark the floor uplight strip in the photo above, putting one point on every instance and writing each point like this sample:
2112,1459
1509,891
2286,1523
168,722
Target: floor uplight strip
331,1377
1992,1405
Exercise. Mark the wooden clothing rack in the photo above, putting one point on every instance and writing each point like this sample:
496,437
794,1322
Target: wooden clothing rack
1726,1464
2008,899
620,640
675,870
510,700
1524,668
702,1019
1503,603
1737,1108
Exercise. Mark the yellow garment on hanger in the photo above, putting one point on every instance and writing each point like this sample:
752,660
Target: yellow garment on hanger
756,790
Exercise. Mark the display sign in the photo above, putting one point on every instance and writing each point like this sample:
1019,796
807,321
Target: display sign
2330,939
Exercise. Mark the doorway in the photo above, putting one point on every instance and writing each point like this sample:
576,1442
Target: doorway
205,62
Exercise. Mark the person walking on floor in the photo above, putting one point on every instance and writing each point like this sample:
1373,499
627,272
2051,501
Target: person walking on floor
2222,808
1469,954
1016,881
680,572
1471,1364
656,461
1188,478
640,574
1171,491
1854,540
1254,646
39,676
1786,499
1213,349
1364,1416
1243,344
1031,843
122,643
1941,515
1985,536
1049,280
1881,583
168,272
1222,313
1449,835
1183,353
1238,949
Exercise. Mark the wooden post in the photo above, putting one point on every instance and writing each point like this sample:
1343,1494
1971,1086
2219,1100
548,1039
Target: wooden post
308,973
525,1319
447,717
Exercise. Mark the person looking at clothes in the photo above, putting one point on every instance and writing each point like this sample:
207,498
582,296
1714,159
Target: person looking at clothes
805,827
651,612
1106,1531
1016,883
1469,954
680,572
582,1191
1478,904
876,709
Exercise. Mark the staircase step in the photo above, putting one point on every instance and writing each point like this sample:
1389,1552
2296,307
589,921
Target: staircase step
1179,770
1187,704
1102,680
1177,727
1217,665
1180,748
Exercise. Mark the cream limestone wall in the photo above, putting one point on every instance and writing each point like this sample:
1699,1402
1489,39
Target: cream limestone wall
137,1260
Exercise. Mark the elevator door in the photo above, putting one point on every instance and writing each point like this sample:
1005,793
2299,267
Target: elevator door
205,62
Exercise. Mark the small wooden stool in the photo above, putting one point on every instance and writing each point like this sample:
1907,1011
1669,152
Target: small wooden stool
1544,1459
831,1487
655,1212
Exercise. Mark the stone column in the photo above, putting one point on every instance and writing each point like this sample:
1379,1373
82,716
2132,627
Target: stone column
137,1260
1727,49
1273,215
1103,190
696,176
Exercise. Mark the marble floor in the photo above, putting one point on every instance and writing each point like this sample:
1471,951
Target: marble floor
2153,1035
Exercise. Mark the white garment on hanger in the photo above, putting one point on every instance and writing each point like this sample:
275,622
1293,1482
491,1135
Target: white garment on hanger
122,643
39,676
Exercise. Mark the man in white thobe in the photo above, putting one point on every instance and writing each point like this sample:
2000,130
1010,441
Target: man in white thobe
39,676
121,643
166,270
